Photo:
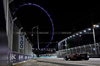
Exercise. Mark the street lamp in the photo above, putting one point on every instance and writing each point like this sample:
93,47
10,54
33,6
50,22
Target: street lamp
80,32
84,31
73,35
94,26
89,29
11,44
37,37
77,34
65,44
32,30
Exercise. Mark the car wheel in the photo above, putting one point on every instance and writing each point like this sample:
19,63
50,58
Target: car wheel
66,58
86,59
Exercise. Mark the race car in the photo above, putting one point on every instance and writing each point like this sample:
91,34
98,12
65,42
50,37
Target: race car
77,57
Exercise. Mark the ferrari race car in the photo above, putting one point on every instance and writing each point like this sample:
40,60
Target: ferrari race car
77,57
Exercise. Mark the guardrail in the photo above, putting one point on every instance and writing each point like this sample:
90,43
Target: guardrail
89,49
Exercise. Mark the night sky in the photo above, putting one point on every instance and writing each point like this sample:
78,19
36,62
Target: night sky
66,16
2,17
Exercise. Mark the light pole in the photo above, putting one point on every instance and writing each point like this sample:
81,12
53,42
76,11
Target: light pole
37,37
11,42
94,37
65,44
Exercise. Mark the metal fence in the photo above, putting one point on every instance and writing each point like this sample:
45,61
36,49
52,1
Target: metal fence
90,49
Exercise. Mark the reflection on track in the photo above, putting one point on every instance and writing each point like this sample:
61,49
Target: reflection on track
90,62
